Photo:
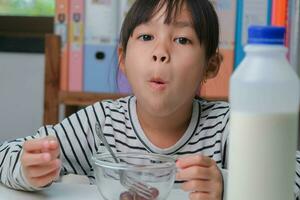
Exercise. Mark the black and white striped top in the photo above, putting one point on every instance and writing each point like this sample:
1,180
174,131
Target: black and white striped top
206,134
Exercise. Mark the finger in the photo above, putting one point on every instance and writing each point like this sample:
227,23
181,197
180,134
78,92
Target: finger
197,186
199,196
49,143
53,144
30,159
200,160
35,145
45,180
54,153
39,171
194,172
40,145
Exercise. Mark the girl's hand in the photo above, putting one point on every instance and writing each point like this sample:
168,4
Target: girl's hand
202,175
40,161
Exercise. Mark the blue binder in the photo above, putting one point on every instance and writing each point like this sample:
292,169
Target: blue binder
100,66
100,48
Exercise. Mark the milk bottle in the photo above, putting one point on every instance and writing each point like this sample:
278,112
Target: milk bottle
264,99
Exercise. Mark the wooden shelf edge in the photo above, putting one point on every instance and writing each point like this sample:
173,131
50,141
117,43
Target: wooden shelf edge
86,98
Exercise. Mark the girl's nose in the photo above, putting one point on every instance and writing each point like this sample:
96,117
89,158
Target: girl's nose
161,53
159,58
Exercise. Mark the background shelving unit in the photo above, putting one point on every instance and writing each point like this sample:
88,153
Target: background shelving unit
53,96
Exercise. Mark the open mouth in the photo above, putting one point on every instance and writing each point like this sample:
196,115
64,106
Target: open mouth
158,84
157,81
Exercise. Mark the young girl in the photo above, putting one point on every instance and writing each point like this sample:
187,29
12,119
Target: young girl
167,49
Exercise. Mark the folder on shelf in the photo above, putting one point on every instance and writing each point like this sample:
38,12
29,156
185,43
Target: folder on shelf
122,82
61,28
279,16
124,6
100,48
294,42
288,33
76,45
218,86
279,12
249,12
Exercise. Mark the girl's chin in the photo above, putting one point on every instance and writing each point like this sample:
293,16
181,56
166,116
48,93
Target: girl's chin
157,109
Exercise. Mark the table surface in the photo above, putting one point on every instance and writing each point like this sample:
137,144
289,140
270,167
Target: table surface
67,191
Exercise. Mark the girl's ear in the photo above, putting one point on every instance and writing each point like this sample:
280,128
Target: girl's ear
121,58
213,66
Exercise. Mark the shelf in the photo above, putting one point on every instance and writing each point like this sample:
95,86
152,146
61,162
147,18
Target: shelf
53,96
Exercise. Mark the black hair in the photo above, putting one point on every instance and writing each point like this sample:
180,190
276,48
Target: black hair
204,18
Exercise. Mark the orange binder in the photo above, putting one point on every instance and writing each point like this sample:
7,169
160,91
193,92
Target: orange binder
218,87
279,12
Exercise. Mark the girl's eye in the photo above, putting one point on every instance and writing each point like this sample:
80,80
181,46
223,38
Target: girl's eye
145,37
182,40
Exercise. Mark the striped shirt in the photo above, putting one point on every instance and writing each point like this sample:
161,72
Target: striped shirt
206,134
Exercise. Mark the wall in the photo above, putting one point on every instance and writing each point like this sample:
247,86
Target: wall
21,94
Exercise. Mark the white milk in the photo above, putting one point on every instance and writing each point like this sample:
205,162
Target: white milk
262,156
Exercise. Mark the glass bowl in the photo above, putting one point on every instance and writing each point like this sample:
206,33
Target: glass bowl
155,171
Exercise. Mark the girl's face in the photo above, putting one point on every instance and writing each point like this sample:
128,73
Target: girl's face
164,63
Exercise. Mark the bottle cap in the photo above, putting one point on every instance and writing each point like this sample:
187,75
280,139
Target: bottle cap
266,35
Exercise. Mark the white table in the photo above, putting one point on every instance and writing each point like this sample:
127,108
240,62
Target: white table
63,191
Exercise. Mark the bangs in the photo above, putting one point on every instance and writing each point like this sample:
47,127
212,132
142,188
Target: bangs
143,11
173,7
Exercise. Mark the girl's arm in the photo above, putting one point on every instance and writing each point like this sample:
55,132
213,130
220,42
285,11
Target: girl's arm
77,144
